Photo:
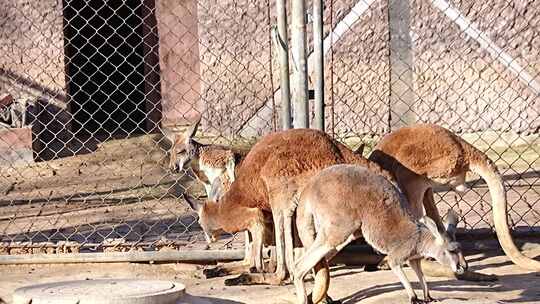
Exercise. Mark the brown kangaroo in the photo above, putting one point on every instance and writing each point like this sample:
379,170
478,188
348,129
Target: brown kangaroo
344,202
268,179
208,162
425,155
213,165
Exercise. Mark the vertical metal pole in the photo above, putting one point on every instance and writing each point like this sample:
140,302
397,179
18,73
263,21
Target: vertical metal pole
282,45
299,79
401,65
319,63
332,100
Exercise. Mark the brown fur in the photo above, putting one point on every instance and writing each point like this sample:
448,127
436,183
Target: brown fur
427,150
383,207
271,174
243,217
348,201
216,156
422,155
285,154
186,152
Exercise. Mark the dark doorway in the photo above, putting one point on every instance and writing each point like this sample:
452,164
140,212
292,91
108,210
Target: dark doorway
105,67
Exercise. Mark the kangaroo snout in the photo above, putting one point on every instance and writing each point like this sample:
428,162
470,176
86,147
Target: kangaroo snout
460,269
173,167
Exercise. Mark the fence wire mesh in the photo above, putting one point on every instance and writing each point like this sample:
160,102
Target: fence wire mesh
86,88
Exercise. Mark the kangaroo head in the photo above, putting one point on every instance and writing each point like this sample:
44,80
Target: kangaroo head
212,230
443,249
183,148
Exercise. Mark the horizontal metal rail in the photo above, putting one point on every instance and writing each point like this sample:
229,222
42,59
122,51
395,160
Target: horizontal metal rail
117,257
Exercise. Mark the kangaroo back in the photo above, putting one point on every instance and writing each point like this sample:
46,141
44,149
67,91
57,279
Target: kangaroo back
435,152
425,149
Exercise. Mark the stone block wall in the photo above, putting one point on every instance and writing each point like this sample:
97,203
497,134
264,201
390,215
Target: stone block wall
216,58
455,81
32,49
462,85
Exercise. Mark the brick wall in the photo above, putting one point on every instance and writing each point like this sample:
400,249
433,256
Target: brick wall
456,83
216,58
32,49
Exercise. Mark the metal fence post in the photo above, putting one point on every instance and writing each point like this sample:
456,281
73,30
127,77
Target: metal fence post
282,45
298,45
401,65
319,63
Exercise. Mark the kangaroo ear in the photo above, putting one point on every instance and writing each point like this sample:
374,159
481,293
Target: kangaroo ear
168,134
432,226
450,223
191,130
229,167
360,149
193,203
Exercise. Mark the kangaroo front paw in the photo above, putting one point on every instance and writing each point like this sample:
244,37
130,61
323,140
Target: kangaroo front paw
271,266
429,299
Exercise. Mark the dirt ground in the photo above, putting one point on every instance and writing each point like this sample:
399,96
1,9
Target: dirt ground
349,284
123,194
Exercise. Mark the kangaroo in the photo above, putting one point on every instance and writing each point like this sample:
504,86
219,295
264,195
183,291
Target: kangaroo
208,162
344,202
267,180
213,165
425,155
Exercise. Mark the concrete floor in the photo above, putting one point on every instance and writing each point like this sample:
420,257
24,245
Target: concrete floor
351,285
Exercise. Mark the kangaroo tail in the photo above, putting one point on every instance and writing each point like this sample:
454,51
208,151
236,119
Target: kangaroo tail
489,173
306,231
322,282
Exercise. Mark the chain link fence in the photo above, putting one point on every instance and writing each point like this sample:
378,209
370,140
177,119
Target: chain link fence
85,87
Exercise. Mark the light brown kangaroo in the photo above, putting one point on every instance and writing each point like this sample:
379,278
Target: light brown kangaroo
274,170
208,162
213,165
425,155
344,202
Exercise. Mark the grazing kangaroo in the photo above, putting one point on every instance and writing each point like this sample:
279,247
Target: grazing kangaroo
267,180
213,165
425,155
344,202
208,162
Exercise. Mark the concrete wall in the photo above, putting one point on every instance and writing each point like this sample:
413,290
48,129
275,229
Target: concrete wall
456,83
216,58
462,85
32,49
179,60
16,146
